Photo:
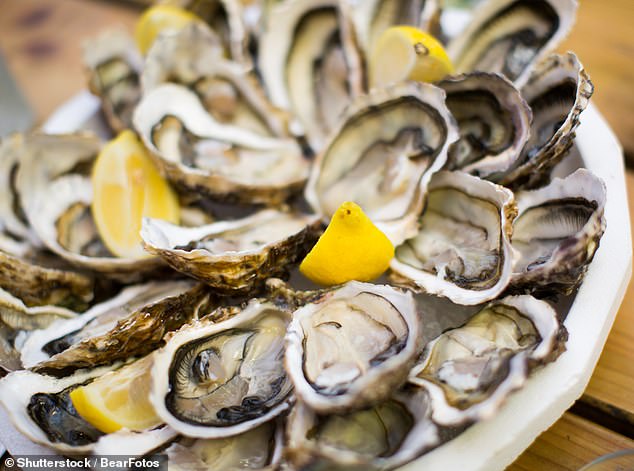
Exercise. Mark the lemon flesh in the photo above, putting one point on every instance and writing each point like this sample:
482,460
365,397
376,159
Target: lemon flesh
127,187
119,399
159,18
351,248
407,53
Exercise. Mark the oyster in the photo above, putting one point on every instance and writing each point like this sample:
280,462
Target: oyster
463,248
557,92
53,181
383,156
510,36
469,371
114,66
224,162
218,379
259,448
493,119
557,232
41,344
40,407
384,436
310,64
229,91
352,347
234,256
225,18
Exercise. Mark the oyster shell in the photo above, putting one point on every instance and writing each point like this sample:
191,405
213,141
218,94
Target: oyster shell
214,380
557,232
225,18
510,36
259,448
41,344
224,162
352,347
234,256
310,64
493,119
557,92
39,407
229,91
114,65
463,248
384,436
383,156
469,371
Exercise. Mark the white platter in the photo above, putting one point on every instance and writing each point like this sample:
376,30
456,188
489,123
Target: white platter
493,445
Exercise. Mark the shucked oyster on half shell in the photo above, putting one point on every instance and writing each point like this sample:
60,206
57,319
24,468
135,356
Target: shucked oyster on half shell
55,188
234,256
353,346
39,407
229,90
227,163
463,249
383,436
114,65
557,232
469,371
383,155
310,64
510,36
558,91
43,344
494,122
218,379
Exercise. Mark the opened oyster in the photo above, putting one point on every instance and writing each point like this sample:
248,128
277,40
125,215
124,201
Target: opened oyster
214,380
558,91
557,232
463,248
234,256
469,371
114,66
493,120
310,64
383,156
511,36
384,436
352,347
227,163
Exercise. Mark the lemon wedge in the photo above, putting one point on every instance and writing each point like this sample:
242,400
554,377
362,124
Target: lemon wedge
351,248
127,187
119,399
407,53
158,18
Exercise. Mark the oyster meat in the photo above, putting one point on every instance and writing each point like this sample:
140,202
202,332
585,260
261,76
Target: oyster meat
469,371
557,232
352,347
511,36
463,248
218,379
383,156
235,256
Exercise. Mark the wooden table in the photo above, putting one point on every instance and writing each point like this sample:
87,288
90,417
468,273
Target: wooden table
40,40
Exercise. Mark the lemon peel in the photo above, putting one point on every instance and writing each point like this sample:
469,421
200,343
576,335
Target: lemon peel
408,53
351,248
159,18
127,187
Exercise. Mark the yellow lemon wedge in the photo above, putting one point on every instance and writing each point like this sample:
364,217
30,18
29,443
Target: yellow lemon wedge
351,248
407,53
118,399
127,187
158,18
